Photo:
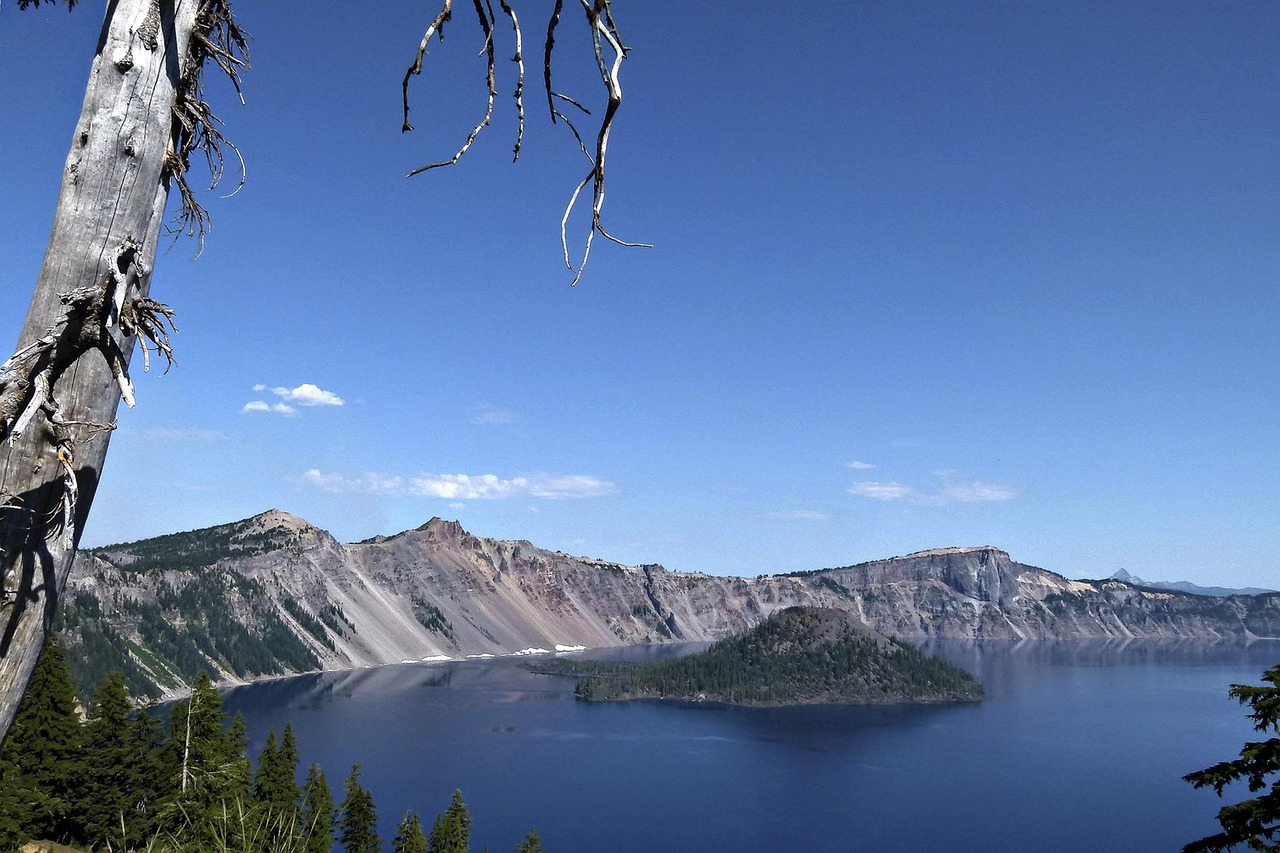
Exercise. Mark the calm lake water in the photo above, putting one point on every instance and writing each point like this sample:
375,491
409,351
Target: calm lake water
1077,747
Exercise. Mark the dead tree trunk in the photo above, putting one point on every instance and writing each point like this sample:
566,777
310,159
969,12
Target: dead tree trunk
60,390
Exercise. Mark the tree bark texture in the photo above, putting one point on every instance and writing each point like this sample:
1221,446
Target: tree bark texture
101,249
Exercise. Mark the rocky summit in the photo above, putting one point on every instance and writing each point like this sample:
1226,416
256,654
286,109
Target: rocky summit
274,595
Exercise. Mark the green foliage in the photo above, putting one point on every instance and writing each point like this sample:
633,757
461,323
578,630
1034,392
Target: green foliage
309,623
1254,822
797,656
359,822
318,813
531,843
192,549
409,835
432,618
120,781
336,620
108,794
274,787
451,832
42,760
94,648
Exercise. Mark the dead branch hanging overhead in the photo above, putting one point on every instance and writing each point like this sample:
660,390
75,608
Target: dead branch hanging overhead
604,35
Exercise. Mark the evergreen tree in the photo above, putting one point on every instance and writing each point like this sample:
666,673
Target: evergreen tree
152,776
289,760
42,762
317,817
239,784
210,768
107,799
531,843
409,836
359,818
318,812
274,786
264,779
1256,821
451,832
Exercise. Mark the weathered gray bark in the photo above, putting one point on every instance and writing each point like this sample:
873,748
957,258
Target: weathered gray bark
101,249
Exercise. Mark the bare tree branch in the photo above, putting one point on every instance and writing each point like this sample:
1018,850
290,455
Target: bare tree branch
486,23
217,39
519,59
604,31
415,68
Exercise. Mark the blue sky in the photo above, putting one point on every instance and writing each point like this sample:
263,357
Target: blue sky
924,275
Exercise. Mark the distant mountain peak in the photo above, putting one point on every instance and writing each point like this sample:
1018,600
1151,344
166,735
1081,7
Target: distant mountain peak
279,518
442,529
959,549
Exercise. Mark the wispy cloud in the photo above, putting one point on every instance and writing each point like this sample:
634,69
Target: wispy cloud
493,417
368,483
881,491
491,486
799,515
307,394
976,491
947,490
181,435
860,466
462,487
264,406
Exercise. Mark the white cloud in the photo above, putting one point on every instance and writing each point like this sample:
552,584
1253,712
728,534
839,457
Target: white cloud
307,394
457,488
860,466
977,492
492,487
799,515
368,483
493,417
947,491
263,406
881,491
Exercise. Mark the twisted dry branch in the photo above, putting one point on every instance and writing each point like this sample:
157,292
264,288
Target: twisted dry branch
604,31
217,39
28,377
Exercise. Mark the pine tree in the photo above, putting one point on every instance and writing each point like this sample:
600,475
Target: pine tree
107,800
359,818
409,836
239,772
42,762
451,832
289,760
210,775
264,780
1255,821
317,817
152,778
274,786
531,843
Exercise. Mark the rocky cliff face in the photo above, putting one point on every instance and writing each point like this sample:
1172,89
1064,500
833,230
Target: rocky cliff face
274,594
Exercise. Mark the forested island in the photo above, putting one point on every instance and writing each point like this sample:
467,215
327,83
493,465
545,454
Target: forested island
798,656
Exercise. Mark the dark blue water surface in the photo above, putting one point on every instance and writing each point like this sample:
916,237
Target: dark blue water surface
1077,747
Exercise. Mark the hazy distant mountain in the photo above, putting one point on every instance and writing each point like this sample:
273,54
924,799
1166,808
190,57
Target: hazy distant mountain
274,595
1188,586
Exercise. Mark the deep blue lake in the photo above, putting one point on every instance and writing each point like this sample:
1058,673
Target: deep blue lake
1077,747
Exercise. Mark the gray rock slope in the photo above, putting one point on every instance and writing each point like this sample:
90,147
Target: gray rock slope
440,592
